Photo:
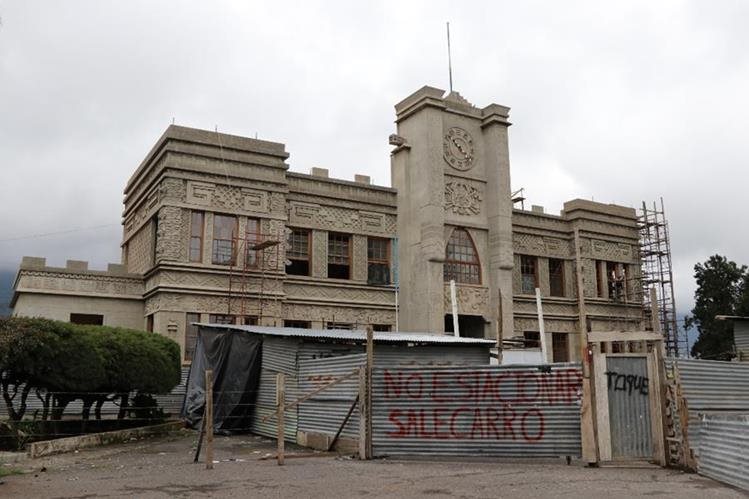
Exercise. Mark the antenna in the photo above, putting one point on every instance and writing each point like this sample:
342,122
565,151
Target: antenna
449,58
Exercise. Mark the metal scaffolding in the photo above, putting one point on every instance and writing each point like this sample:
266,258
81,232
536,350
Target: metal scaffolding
256,258
655,254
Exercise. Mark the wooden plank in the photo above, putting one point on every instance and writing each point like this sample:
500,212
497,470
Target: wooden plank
368,405
312,394
280,399
362,413
607,336
208,416
656,410
602,405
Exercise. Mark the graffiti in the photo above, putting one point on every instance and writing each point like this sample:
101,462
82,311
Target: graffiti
627,383
475,405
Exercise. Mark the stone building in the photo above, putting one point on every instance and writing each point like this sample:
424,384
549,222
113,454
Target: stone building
217,229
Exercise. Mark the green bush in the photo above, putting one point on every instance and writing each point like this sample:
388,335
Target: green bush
91,363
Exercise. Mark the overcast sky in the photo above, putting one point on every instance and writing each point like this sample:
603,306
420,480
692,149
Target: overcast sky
619,102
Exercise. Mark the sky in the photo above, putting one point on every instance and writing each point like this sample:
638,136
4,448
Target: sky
617,102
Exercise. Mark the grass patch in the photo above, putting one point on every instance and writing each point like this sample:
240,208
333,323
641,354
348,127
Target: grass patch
6,471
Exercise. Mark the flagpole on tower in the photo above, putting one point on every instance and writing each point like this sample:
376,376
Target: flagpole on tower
449,58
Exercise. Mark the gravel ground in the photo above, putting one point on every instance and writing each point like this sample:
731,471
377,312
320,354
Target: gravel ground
163,468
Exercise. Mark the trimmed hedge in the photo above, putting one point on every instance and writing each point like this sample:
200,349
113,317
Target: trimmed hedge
95,364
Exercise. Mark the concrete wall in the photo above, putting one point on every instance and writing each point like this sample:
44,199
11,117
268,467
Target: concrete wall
116,312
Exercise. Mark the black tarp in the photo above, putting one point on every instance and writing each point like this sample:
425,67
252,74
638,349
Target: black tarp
235,357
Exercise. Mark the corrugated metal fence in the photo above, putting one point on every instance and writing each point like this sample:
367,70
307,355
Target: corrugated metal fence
475,411
724,449
716,397
324,412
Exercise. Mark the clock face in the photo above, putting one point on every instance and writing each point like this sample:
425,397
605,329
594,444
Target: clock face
458,149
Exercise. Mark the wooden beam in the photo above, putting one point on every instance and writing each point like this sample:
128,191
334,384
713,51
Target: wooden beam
312,394
587,420
608,336
280,398
208,416
362,413
368,405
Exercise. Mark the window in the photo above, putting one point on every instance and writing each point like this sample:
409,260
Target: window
339,325
382,327
196,236
87,319
610,276
249,320
149,323
191,334
528,275
560,348
221,319
339,256
297,324
461,259
378,260
556,277
531,339
252,238
224,231
297,253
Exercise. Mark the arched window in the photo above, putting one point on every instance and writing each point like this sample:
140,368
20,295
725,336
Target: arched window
461,259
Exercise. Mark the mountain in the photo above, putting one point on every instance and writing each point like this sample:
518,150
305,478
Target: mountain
6,290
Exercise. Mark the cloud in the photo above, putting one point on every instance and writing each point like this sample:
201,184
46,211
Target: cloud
616,102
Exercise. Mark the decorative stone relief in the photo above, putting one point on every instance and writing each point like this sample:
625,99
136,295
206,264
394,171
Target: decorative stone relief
341,219
462,198
80,283
170,244
351,315
471,300
228,197
320,253
340,294
359,258
531,244
172,189
606,250
139,251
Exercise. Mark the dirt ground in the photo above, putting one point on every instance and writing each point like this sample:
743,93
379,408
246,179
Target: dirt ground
163,468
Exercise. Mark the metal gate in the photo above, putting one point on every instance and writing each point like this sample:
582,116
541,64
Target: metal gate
629,407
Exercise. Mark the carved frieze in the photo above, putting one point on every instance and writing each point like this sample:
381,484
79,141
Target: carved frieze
607,250
350,315
531,244
228,197
462,198
471,299
340,219
340,295
79,283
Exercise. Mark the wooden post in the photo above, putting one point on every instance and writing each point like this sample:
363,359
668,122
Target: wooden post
370,364
499,327
587,419
362,413
208,415
541,328
280,399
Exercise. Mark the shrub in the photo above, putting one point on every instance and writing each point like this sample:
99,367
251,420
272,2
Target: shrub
91,363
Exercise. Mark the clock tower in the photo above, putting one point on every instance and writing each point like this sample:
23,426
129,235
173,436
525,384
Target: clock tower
451,169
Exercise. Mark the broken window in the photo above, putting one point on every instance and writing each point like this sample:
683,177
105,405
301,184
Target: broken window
339,255
378,260
191,334
297,253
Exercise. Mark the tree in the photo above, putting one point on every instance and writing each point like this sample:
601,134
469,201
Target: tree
722,289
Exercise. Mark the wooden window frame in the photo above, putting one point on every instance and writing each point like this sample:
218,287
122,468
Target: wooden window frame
461,270
214,240
376,261
523,273
252,258
347,256
295,258
556,342
212,319
199,257
562,280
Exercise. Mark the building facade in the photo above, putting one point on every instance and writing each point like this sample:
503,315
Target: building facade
217,229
